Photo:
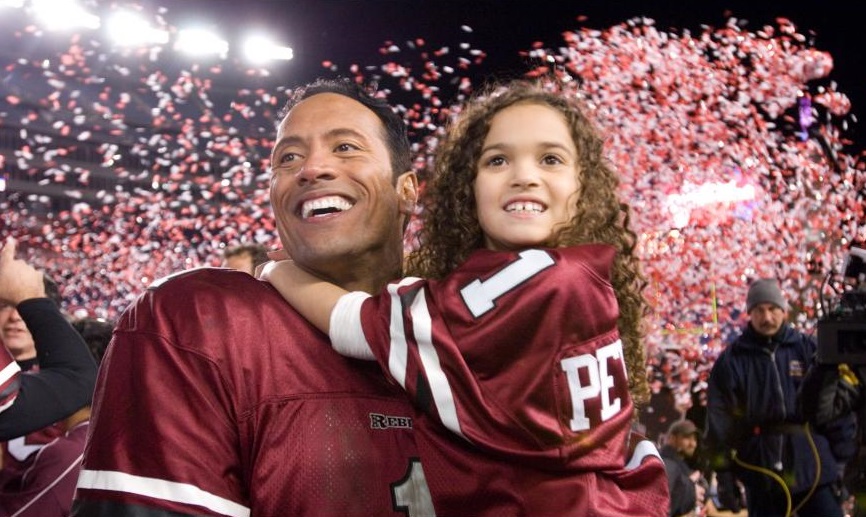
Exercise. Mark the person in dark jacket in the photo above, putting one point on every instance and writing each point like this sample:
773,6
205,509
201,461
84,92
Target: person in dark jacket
754,430
681,444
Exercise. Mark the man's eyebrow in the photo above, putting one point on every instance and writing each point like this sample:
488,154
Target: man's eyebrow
339,132
345,132
288,140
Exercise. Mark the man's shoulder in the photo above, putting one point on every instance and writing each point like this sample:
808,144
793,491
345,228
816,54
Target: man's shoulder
795,336
196,300
210,285
202,277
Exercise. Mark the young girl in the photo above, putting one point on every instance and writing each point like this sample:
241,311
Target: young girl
524,339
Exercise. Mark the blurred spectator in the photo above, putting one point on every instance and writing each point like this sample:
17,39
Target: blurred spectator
681,444
245,257
713,507
660,413
45,485
96,333
33,327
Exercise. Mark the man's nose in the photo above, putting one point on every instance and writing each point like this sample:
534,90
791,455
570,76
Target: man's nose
318,166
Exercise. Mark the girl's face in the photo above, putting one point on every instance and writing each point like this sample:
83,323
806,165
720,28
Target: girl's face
527,178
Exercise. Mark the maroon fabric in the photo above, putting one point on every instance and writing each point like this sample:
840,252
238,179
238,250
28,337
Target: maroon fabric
212,381
530,358
44,488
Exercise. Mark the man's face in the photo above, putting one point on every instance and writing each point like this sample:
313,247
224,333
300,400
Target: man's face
685,444
767,318
14,334
331,189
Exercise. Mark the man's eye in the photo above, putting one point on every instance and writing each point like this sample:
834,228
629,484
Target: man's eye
345,147
288,157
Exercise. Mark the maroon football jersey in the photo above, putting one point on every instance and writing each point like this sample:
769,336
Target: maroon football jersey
216,398
18,451
46,486
517,354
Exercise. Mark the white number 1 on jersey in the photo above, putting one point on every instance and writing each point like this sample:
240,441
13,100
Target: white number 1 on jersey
480,297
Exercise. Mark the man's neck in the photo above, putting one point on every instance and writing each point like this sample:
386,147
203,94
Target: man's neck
368,275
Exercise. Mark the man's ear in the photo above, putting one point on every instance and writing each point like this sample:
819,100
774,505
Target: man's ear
407,191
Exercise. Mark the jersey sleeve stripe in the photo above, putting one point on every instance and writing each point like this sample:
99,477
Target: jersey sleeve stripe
9,372
9,385
643,449
443,395
160,489
398,353
346,332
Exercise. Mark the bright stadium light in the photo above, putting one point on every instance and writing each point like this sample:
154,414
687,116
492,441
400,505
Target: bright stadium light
63,14
128,29
260,49
201,42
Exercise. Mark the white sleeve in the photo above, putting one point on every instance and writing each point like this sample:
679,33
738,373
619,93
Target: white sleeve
9,380
346,333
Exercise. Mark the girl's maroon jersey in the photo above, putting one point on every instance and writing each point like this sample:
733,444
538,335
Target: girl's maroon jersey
216,398
518,355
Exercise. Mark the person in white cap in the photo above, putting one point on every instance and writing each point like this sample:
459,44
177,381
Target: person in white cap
754,431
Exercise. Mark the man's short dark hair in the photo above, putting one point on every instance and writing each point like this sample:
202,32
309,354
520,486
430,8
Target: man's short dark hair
96,333
396,136
258,252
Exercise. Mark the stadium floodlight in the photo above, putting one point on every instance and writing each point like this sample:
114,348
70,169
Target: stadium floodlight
201,42
129,29
63,14
260,49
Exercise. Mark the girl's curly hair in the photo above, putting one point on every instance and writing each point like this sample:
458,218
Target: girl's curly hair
451,231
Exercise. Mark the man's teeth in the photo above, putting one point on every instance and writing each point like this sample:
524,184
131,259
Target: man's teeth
324,205
525,206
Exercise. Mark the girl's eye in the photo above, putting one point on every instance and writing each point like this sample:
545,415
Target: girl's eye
551,160
496,161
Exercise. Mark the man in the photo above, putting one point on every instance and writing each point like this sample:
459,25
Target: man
216,398
32,326
682,441
754,429
245,257
45,483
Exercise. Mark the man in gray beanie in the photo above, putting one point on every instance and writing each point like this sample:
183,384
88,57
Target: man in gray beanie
765,290
754,431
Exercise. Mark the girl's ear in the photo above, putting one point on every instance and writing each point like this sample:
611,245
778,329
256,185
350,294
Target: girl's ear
407,191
